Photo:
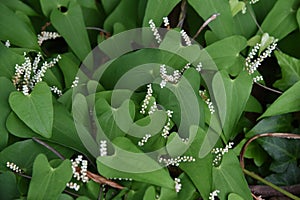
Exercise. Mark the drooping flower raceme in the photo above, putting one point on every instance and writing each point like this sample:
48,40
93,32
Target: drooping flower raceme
45,35
28,74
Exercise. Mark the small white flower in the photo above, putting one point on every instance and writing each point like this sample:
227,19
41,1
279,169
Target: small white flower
45,35
199,67
213,194
258,78
81,164
166,21
144,140
219,152
186,38
55,90
13,167
166,129
147,99
253,1
73,186
75,82
155,31
7,43
177,184
103,148
176,161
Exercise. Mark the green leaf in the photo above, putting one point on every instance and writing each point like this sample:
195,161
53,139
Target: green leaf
201,169
48,182
8,61
69,65
24,152
230,108
130,162
290,69
5,109
234,196
289,177
109,5
298,17
223,26
288,102
281,20
72,28
229,178
19,6
236,6
280,123
183,99
223,56
253,105
35,109
150,193
8,186
17,31
117,15
156,13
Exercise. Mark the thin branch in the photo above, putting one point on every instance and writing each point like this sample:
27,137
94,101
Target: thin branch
279,135
182,14
267,88
266,191
101,180
257,177
50,148
98,29
210,19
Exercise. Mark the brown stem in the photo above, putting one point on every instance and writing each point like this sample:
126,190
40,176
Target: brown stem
101,180
182,14
280,135
253,175
267,88
48,147
267,191
45,26
210,19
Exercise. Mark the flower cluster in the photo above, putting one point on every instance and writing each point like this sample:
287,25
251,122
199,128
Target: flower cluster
45,35
7,43
29,74
13,167
147,99
187,66
103,148
186,38
177,184
166,21
253,63
207,101
73,186
144,140
258,78
168,78
199,67
153,108
167,128
55,90
155,31
176,161
213,194
75,82
79,167
219,152
253,1
120,179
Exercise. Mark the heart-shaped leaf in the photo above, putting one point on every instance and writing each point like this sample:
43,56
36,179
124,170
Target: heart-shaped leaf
288,102
130,162
231,98
35,109
48,182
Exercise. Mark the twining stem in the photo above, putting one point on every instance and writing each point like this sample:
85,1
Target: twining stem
210,19
182,14
257,177
48,147
267,88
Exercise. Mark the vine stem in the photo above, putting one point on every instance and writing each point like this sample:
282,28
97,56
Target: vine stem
257,177
48,147
210,19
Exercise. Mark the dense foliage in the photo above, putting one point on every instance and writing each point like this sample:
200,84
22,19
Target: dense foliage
98,102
